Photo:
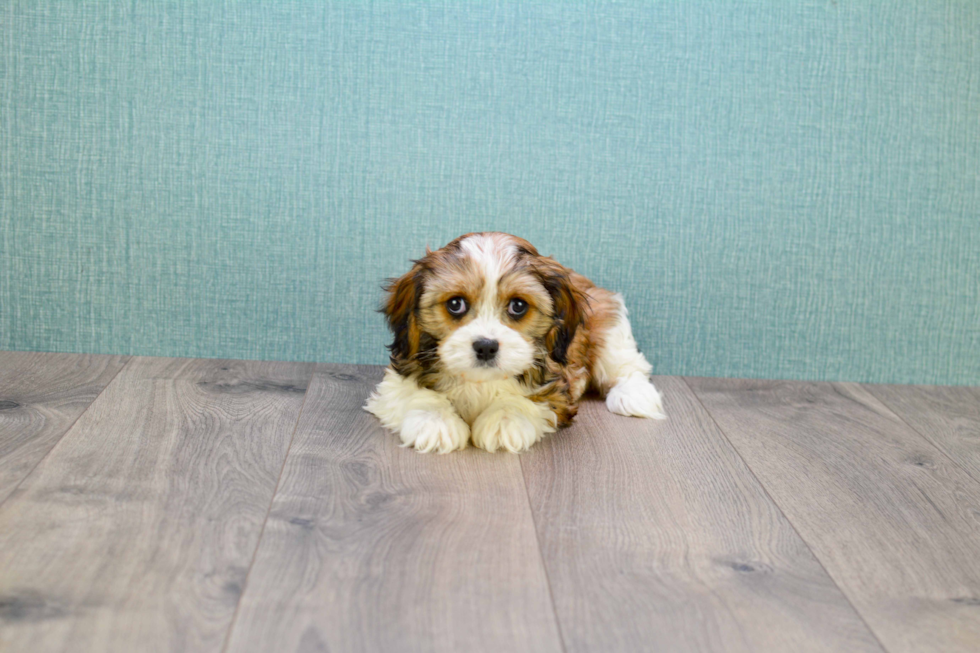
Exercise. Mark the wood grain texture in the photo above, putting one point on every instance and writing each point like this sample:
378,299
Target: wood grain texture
41,396
947,416
893,521
137,530
657,537
372,547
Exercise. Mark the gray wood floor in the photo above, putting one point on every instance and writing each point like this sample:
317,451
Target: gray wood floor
200,505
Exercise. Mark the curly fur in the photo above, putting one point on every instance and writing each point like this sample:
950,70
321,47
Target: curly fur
575,336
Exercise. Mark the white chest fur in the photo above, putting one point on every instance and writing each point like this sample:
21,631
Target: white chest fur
470,398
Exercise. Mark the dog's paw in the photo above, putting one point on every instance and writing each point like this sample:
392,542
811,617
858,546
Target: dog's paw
439,431
512,428
635,396
501,429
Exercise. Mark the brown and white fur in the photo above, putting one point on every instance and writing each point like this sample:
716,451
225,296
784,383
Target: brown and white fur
553,334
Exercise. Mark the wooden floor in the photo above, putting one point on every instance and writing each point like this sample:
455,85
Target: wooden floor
198,505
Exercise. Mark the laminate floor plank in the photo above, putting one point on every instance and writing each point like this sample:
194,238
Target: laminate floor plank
373,547
947,416
41,396
895,523
136,532
656,536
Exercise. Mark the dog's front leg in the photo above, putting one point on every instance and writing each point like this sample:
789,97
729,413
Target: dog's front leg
423,418
513,423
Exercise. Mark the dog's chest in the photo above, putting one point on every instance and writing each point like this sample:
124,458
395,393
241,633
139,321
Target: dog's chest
472,398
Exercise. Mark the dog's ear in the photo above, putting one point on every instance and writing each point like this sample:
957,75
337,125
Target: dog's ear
400,310
569,306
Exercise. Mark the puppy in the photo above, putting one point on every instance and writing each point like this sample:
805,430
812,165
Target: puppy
496,344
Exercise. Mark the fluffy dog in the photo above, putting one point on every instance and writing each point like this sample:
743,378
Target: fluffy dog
496,344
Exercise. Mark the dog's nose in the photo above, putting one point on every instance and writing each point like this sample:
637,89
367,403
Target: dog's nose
485,349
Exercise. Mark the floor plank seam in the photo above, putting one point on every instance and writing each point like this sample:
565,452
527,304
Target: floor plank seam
922,435
67,430
268,511
786,517
544,567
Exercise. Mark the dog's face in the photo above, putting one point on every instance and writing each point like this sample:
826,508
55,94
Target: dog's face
486,306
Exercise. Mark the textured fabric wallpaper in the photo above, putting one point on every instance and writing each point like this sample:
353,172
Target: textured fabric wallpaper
780,189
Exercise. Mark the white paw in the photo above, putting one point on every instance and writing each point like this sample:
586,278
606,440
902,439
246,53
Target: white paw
635,396
439,431
504,429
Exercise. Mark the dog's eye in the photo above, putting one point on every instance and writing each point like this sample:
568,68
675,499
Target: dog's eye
517,308
457,306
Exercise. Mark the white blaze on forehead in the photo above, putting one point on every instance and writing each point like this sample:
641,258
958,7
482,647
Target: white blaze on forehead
494,255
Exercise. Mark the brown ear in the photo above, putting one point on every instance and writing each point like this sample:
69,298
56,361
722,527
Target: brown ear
400,311
569,307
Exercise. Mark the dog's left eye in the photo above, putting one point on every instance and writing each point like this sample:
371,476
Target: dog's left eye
517,308
456,306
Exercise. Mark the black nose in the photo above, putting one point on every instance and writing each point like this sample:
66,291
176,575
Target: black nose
485,349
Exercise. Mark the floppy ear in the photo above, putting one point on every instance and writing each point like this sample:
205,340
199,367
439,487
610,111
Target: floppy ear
569,307
400,311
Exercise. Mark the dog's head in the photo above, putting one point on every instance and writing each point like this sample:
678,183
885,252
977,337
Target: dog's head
486,306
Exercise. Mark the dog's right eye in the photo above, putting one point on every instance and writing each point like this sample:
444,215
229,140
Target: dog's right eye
457,306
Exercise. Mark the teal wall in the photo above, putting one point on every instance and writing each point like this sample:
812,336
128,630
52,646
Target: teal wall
780,189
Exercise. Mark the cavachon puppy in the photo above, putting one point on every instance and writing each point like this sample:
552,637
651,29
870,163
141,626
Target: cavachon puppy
496,344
